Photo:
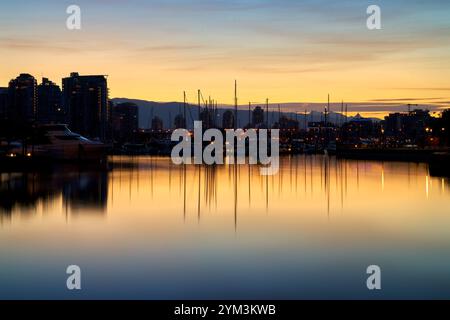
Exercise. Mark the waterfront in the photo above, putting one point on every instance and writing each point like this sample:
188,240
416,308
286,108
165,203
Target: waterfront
148,229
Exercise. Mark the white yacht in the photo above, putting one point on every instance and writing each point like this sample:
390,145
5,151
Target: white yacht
57,142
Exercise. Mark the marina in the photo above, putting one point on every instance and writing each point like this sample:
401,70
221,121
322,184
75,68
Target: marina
139,228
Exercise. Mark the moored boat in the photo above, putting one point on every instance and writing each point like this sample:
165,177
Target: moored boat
57,142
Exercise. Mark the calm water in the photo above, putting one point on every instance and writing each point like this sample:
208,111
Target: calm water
152,230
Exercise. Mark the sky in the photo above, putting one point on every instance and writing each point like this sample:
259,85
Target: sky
284,50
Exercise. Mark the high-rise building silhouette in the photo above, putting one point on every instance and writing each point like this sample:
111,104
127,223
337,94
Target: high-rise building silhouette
3,102
49,103
445,129
125,121
288,123
85,99
22,98
411,125
359,127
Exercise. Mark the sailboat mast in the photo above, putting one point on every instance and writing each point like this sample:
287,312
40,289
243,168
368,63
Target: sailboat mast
306,120
235,105
199,105
249,114
184,109
279,114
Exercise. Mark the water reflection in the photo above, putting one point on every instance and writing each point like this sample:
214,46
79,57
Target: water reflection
79,191
331,182
150,229
197,188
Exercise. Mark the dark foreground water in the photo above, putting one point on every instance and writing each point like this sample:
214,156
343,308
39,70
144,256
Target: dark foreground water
152,230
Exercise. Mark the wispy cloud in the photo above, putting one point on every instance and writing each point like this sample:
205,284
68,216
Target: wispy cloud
21,44
171,48
274,46
423,89
405,99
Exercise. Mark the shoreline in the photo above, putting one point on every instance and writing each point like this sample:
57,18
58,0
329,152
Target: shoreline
438,162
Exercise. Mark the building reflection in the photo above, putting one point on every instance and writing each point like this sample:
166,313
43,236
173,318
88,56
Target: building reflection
80,191
195,192
86,191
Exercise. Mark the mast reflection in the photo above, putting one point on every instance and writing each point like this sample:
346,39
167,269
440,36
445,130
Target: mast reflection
194,192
